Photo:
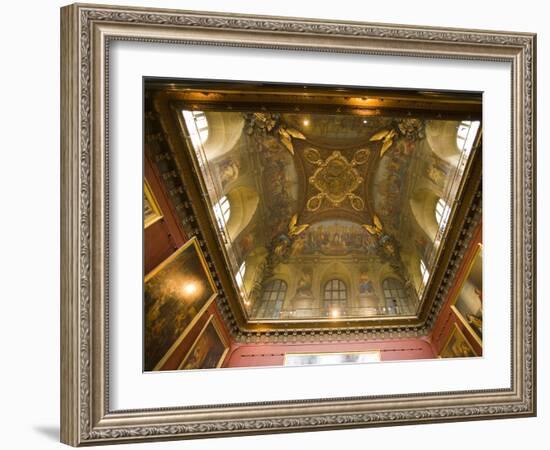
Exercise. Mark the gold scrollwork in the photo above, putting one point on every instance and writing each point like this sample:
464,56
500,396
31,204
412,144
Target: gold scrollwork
312,156
360,157
314,203
357,202
336,178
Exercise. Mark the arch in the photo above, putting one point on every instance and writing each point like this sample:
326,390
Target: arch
442,212
424,272
442,139
224,130
338,270
222,211
466,135
239,276
335,297
251,275
423,205
197,127
271,300
396,297
243,202
216,132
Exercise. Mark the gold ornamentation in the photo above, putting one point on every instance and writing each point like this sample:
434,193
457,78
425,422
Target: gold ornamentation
286,135
357,202
269,123
336,178
376,229
314,203
294,229
312,156
386,136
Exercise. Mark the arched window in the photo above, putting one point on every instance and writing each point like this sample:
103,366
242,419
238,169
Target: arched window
424,272
197,127
396,297
466,134
222,211
442,211
239,277
335,298
271,301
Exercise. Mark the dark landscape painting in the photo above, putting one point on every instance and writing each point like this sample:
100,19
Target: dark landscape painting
174,295
208,350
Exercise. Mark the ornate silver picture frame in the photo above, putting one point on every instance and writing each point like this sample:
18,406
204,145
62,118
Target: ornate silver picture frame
87,33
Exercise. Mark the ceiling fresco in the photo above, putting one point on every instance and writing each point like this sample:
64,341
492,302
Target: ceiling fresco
329,215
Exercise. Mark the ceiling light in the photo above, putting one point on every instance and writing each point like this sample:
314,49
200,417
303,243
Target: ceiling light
306,122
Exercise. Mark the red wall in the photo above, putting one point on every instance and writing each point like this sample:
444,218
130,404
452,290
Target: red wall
165,236
246,355
162,239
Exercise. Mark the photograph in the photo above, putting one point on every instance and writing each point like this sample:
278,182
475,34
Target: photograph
325,207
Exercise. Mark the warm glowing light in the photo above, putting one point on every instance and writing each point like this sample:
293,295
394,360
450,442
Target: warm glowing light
190,288
335,313
306,122
365,121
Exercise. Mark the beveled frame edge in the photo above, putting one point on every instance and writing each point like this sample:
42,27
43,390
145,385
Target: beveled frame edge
85,416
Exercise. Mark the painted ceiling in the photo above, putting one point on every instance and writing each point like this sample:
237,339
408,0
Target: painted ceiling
324,215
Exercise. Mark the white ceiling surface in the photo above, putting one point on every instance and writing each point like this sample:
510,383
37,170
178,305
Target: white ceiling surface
29,231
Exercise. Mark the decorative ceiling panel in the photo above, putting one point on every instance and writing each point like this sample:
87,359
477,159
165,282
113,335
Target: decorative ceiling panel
335,217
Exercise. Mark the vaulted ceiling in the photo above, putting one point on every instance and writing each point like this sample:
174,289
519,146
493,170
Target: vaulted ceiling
326,208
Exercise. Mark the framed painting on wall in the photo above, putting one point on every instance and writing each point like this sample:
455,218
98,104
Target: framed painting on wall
468,305
151,208
329,210
175,295
457,346
209,349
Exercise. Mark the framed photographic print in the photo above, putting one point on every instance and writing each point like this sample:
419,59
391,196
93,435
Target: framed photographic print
252,201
